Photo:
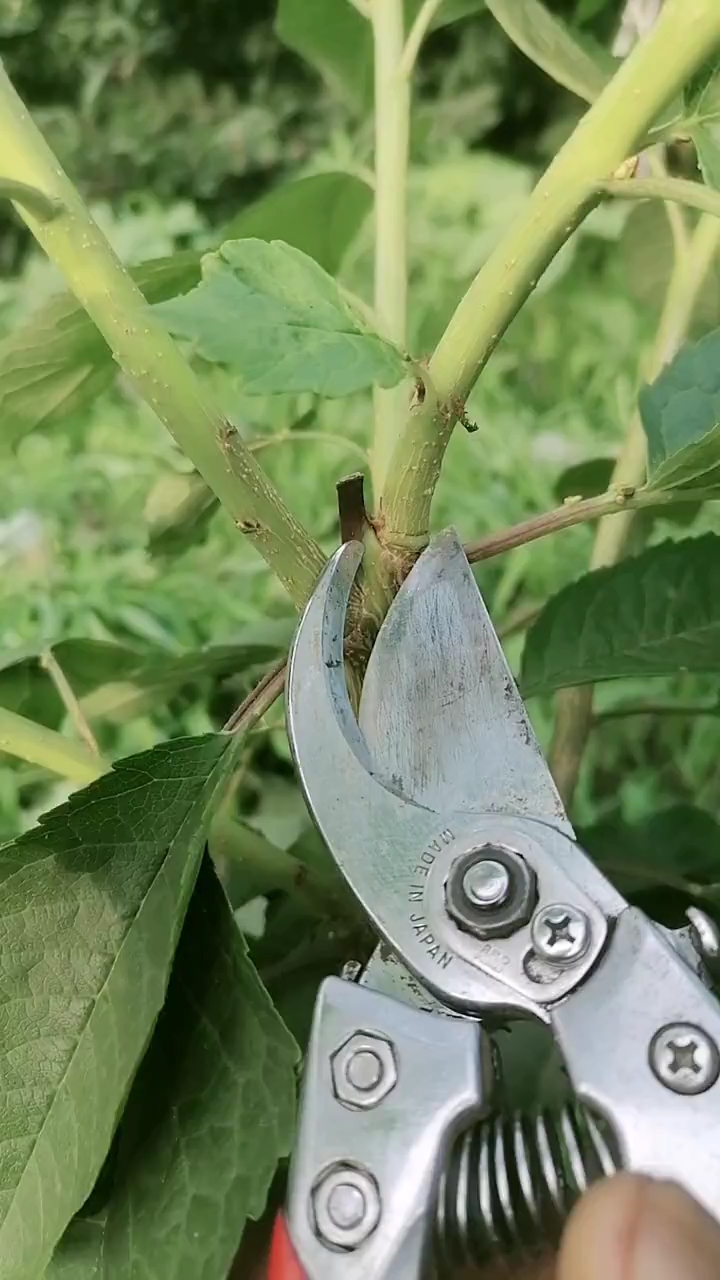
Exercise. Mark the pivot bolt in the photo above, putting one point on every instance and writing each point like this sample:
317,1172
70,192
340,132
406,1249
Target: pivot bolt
560,933
684,1058
490,892
346,1206
486,883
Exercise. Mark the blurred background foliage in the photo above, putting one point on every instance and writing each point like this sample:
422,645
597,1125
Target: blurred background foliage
173,116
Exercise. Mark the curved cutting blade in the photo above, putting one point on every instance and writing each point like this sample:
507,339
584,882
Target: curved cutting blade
441,714
375,834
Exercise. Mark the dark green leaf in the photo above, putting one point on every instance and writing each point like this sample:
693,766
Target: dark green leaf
58,362
707,143
333,37
648,256
209,1116
275,317
585,479
320,215
116,682
681,417
92,905
676,849
550,44
177,511
26,688
702,107
654,614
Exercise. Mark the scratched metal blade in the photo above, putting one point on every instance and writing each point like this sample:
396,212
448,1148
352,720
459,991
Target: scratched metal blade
441,714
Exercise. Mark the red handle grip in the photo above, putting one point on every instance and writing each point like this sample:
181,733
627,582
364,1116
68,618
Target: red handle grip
283,1261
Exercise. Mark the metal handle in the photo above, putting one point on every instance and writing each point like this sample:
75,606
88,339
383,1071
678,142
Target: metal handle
387,1088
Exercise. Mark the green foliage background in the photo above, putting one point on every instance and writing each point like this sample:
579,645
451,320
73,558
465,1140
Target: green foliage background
175,118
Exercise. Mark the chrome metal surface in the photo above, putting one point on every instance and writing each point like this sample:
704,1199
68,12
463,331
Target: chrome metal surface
684,1058
345,1205
514,905
395,853
605,1030
442,763
512,1180
486,883
560,933
440,711
705,936
388,976
364,1070
444,1077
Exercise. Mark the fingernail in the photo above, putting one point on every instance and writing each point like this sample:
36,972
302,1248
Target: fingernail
675,1238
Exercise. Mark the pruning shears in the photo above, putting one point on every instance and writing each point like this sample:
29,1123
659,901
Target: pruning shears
442,814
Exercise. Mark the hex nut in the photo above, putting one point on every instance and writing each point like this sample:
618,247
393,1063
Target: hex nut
364,1071
346,1206
504,919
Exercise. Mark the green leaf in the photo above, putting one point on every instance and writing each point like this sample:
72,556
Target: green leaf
92,905
116,682
676,849
681,416
584,479
58,362
177,510
274,316
320,215
702,107
210,1115
26,688
553,47
335,39
648,255
652,615
707,143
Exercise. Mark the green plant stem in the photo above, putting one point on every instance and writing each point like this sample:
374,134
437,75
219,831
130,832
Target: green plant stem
573,707
694,195
38,745
67,696
258,701
684,37
418,32
616,503
273,869
36,202
392,135
147,354
656,709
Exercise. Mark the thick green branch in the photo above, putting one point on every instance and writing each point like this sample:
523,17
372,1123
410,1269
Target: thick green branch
685,36
392,134
146,353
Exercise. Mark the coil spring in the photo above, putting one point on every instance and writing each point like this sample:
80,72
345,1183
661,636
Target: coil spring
512,1181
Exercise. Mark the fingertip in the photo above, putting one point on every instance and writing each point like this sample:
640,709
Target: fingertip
599,1235
635,1228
